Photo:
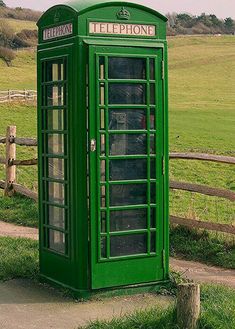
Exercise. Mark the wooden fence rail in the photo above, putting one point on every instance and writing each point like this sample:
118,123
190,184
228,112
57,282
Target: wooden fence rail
10,186
203,157
16,95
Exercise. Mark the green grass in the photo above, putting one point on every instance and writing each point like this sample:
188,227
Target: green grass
19,25
210,248
217,312
19,210
18,258
202,102
22,74
202,119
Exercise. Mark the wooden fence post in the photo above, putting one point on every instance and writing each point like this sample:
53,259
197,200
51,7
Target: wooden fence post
188,305
10,155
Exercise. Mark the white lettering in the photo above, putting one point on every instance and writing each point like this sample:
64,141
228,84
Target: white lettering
58,31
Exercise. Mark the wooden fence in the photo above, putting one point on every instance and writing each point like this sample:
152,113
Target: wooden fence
10,185
18,95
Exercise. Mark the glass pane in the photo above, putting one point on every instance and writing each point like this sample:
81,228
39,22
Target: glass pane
55,96
152,94
152,69
103,196
103,221
56,168
153,218
56,192
127,68
128,245
102,171
57,241
56,217
123,144
153,242
55,120
102,68
103,247
152,144
102,144
152,119
128,169
123,93
102,119
127,119
56,144
128,194
153,168
153,193
102,94
55,71
125,220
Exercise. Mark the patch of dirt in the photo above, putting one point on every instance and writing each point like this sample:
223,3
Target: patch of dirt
199,272
195,271
28,305
15,231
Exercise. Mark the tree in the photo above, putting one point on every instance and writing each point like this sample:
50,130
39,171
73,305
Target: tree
229,24
185,20
7,55
2,3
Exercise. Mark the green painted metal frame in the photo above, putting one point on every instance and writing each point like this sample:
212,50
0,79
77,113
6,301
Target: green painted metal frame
75,272
95,107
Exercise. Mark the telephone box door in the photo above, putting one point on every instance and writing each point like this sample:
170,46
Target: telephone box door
126,173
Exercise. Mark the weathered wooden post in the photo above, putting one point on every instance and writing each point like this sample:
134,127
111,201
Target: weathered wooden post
188,305
10,155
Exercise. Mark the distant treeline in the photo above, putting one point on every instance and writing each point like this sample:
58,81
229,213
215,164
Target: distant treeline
9,40
202,24
19,13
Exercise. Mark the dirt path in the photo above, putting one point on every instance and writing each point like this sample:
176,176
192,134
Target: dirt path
16,231
28,305
199,272
192,270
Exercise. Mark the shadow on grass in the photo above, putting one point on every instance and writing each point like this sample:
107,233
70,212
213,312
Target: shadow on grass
19,210
202,246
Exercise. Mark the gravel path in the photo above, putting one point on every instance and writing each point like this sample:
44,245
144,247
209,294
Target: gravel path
199,272
195,271
16,231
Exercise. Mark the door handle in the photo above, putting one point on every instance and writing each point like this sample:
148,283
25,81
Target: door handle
93,145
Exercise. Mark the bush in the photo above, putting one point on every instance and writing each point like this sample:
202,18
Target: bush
20,13
28,34
7,55
6,34
20,43
2,3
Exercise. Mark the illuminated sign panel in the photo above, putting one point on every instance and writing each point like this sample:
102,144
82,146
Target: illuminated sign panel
58,31
122,29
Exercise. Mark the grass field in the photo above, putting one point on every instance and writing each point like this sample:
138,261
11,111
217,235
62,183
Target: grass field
21,75
202,119
19,25
19,259
217,313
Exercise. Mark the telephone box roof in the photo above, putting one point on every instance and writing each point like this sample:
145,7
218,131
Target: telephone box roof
81,6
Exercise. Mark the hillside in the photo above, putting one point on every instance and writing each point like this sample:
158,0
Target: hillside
18,25
202,118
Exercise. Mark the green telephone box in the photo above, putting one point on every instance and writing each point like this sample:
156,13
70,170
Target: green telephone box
103,145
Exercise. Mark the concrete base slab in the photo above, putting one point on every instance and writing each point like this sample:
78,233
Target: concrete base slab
28,305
